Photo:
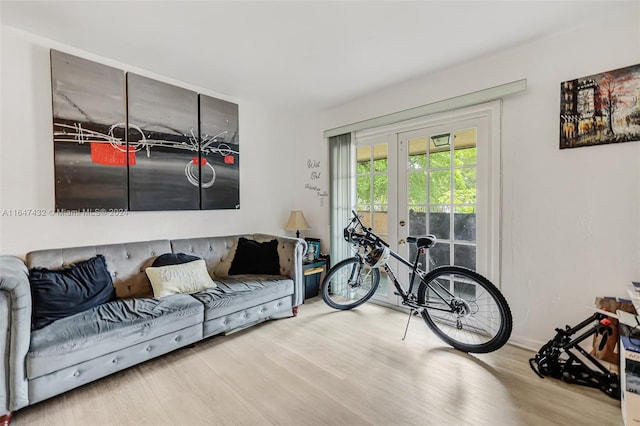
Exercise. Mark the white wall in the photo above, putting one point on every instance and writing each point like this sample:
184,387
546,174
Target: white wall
570,221
26,165
310,173
570,218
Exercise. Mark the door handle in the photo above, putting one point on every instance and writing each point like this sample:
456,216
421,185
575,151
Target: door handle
401,242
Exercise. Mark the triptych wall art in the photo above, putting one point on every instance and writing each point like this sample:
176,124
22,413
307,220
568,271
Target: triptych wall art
125,141
601,108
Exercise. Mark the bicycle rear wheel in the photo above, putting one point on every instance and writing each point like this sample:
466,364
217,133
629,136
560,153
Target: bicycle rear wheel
465,309
349,283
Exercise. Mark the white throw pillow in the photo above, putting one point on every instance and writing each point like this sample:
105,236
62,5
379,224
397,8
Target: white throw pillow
183,278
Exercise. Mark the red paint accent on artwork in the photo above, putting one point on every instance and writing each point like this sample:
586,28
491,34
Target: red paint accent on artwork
108,155
229,159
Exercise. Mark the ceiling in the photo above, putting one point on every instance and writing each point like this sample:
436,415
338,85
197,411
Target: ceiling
306,55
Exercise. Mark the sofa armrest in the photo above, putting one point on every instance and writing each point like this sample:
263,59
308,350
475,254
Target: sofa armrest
290,252
15,333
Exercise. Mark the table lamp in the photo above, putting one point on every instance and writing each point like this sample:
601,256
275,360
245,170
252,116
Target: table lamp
297,222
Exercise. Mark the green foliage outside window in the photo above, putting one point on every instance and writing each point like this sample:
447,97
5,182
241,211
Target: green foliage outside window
368,184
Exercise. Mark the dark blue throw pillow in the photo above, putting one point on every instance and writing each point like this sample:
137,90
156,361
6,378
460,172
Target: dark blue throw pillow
173,259
253,257
61,293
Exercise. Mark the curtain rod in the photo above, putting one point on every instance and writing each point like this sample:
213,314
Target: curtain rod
461,101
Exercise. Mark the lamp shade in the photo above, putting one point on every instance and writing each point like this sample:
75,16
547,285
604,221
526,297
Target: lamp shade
297,222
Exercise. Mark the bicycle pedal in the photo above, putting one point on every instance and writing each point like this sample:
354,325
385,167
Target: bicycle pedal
396,293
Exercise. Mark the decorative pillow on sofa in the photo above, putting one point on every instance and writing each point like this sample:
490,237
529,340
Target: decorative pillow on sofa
174,259
253,257
182,278
61,293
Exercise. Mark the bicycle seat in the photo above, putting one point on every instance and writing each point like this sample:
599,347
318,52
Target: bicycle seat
426,242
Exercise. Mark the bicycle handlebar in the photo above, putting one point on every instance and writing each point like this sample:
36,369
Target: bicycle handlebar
366,238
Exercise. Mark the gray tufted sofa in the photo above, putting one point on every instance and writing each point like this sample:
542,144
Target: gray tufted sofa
136,327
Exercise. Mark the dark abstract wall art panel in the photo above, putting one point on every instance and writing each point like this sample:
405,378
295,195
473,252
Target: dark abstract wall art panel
90,156
220,154
163,131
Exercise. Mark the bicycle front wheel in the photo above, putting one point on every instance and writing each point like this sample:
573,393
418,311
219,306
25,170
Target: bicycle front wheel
349,283
465,309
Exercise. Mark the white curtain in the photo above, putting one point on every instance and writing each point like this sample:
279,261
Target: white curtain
342,195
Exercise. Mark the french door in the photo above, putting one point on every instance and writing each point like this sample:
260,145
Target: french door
438,175
376,199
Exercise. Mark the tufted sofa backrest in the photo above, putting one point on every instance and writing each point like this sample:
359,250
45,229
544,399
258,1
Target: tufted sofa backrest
126,262
218,252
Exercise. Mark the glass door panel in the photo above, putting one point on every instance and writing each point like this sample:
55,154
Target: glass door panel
372,189
441,164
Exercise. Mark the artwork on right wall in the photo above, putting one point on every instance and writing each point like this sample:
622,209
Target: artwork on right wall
601,108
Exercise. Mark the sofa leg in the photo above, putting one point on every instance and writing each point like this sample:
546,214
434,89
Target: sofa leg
295,314
6,419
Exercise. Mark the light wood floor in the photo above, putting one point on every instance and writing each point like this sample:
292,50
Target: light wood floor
327,367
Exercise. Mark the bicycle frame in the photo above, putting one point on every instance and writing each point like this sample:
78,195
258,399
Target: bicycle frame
408,296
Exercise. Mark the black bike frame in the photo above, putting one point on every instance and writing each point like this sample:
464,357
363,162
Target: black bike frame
407,300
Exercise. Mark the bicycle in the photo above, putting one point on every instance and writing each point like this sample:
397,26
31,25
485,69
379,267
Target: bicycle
460,306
